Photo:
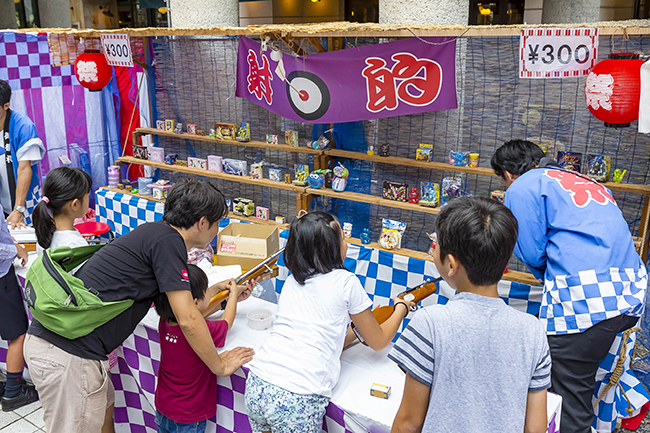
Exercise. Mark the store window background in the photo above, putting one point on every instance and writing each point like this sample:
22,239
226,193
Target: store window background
27,14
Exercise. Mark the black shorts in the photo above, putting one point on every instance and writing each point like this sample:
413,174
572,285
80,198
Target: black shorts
13,318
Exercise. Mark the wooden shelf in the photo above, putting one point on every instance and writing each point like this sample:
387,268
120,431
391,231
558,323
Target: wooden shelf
207,173
409,162
515,276
372,199
394,160
260,144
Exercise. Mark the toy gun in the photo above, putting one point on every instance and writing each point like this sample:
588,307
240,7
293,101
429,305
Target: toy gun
416,294
266,269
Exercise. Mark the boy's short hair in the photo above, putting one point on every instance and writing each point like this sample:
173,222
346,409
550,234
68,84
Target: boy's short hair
5,93
481,233
191,199
198,287
516,157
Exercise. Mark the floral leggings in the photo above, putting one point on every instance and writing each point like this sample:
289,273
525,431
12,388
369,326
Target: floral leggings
273,408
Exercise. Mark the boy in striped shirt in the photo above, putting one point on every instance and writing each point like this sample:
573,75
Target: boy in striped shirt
475,364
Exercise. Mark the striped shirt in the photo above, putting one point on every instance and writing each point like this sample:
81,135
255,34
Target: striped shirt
480,358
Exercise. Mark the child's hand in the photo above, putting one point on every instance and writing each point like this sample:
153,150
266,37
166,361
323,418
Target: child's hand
410,304
22,255
245,290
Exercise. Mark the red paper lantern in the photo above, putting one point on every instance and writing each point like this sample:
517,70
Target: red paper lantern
613,89
92,70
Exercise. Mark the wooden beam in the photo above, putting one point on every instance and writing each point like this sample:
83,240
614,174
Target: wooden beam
316,44
294,46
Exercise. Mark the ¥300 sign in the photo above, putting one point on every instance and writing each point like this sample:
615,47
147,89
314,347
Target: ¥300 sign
557,53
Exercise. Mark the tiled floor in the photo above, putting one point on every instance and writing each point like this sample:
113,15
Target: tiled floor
27,419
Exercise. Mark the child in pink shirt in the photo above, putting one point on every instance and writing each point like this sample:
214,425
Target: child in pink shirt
186,394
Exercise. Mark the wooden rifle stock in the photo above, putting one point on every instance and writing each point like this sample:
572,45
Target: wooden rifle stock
266,269
416,294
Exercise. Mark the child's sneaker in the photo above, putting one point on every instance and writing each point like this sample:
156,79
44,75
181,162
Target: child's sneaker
28,394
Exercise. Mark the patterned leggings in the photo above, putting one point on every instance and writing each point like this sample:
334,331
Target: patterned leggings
273,408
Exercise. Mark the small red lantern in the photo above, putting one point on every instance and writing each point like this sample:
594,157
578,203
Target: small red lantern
92,70
613,89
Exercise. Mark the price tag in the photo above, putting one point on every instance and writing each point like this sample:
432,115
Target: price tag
228,248
117,49
557,53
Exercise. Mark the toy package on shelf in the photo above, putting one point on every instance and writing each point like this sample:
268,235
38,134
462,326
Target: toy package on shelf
140,152
225,131
459,159
191,129
340,180
257,172
262,213
473,159
291,137
271,139
569,160
178,129
450,189
275,174
395,191
243,131
235,166
160,124
243,207
391,233
319,144
215,163
598,167
159,189
319,178
198,163
424,152
429,194
156,154
169,125
171,158
301,174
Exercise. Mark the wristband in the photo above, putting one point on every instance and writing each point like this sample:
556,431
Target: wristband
405,305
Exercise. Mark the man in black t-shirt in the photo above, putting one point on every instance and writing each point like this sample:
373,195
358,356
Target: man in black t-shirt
71,376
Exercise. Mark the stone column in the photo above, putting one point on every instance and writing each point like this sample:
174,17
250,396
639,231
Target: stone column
204,13
8,19
574,11
54,14
424,12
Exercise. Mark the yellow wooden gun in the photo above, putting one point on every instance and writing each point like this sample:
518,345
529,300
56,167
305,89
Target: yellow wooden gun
266,269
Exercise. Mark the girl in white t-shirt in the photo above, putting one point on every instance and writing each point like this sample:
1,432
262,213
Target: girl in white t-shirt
292,375
65,198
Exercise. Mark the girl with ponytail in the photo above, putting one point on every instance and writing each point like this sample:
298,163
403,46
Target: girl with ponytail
65,198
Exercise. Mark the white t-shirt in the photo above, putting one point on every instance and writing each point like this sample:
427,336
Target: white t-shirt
65,238
32,153
302,354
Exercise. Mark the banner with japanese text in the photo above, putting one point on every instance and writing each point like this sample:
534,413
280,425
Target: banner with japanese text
392,79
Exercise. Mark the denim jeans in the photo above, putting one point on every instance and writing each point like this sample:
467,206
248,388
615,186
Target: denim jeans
165,425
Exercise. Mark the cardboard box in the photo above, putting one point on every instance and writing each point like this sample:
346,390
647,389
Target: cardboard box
246,244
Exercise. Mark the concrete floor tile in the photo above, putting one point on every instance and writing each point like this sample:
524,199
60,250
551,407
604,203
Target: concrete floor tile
20,426
26,410
7,418
36,418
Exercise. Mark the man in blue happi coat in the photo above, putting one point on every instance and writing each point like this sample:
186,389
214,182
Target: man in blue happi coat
574,239
19,184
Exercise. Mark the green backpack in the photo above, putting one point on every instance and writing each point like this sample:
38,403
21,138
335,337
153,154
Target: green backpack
60,301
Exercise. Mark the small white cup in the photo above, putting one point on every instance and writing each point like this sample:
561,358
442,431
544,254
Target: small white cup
260,319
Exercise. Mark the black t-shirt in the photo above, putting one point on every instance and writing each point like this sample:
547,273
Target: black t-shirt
149,260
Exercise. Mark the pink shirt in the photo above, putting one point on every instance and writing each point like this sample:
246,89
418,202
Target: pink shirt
187,389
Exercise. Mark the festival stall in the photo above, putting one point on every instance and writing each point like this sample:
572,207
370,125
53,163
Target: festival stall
380,125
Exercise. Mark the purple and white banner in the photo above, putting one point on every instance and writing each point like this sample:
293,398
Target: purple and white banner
393,79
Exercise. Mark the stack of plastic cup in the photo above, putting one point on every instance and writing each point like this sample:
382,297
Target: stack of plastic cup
113,176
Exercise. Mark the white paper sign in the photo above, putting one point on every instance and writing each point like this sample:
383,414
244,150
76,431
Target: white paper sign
117,49
557,53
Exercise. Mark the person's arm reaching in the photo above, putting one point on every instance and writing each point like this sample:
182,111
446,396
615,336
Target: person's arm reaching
23,179
413,410
375,335
198,336
230,311
536,421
